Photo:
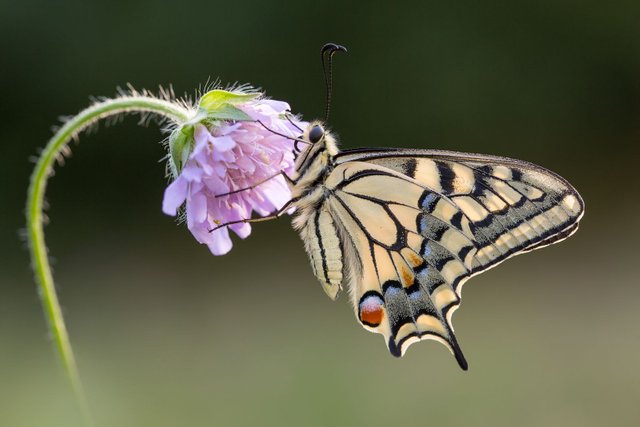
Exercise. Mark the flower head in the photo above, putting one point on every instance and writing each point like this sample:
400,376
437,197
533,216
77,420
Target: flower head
224,155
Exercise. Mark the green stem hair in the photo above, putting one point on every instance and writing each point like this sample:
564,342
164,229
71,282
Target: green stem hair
38,250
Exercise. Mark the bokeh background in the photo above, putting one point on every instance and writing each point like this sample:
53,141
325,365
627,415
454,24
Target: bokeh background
168,335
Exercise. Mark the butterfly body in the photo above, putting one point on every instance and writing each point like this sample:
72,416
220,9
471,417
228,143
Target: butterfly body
404,229
313,219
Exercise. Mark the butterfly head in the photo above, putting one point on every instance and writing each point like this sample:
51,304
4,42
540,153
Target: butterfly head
319,147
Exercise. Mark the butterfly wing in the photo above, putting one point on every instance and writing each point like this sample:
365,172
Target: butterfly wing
414,225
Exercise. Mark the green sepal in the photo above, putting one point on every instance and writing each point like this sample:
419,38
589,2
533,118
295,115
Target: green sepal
220,105
180,146
214,99
228,112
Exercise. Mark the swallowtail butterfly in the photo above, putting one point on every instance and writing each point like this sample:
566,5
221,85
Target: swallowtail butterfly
405,229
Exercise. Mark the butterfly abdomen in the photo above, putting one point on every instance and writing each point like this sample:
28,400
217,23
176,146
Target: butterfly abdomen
325,252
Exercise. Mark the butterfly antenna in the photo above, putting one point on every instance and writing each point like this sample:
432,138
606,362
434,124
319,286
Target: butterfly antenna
326,53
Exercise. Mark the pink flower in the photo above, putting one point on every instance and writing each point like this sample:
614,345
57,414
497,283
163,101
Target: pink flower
234,155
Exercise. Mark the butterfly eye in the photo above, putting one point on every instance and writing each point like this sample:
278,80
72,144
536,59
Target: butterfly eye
316,134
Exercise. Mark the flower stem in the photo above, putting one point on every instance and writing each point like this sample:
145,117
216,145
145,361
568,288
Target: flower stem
35,224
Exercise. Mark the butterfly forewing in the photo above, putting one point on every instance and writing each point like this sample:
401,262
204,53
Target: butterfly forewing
512,206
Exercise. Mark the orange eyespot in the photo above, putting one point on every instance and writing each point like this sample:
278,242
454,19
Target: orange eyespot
371,309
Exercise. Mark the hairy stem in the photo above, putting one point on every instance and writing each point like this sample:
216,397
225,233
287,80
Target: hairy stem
35,224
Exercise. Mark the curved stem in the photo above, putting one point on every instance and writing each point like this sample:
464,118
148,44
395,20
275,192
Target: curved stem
35,198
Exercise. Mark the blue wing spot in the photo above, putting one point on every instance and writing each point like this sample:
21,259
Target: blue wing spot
426,200
423,223
422,274
391,288
426,251
391,291
416,296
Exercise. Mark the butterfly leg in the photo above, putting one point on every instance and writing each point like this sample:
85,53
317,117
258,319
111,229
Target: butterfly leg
275,215
287,115
282,134
289,180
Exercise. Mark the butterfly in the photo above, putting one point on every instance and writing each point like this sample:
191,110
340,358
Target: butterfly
404,229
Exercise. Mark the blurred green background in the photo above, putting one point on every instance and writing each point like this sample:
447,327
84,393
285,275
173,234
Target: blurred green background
168,335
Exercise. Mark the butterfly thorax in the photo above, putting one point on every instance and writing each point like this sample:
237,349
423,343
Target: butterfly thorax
312,167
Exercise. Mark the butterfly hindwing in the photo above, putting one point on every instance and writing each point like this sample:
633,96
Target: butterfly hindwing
406,279
414,225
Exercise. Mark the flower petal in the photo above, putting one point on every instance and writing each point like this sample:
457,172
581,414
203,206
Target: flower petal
201,134
191,172
277,106
174,196
223,143
197,209
246,164
275,193
221,242
243,230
